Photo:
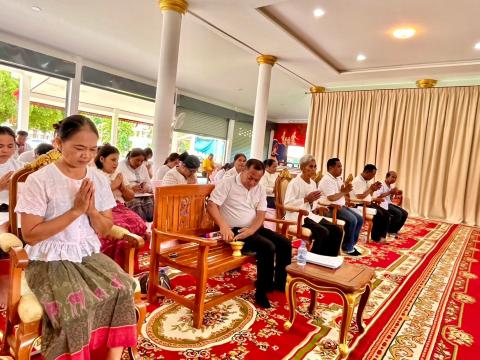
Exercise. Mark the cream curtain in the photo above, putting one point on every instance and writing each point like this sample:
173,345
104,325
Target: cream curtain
431,137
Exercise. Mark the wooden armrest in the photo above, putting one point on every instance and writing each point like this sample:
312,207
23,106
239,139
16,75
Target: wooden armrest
279,221
359,202
292,209
134,240
190,238
18,257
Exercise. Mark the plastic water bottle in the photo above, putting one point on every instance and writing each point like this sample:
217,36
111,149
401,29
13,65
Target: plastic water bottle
302,254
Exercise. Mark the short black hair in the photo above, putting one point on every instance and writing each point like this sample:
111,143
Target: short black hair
172,157
105,151
43,148
136,152
332,162
148,151
73,124
183,156
256,164
238,156
5,130
269,162
22,133
370,168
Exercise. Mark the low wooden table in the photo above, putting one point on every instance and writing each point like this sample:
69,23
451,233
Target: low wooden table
349,281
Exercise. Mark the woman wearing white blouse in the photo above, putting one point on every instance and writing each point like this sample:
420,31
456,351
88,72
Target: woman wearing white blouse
135,175
63,207
170,162
268,181
8,165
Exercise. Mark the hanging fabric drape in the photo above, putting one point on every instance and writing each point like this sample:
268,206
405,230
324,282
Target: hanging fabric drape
431,137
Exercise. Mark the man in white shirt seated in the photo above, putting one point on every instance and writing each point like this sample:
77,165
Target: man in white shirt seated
334,190
398,216
302,193
238,205
363,189
183,173
268,181
239,161
21,142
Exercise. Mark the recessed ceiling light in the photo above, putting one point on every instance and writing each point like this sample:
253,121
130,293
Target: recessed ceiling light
361,57
36,9
318,12
477,46
404,33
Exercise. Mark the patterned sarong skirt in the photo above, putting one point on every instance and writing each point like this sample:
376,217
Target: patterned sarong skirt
88,306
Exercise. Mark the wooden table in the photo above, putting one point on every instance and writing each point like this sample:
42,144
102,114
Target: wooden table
349,281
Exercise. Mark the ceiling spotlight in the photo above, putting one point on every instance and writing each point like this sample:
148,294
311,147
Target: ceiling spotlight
36,9
318,12
477,46
404,33
361,57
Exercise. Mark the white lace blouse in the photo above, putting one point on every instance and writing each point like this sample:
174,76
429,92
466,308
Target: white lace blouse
49,193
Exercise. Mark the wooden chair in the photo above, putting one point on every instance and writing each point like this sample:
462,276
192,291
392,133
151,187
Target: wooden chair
181,215
24,312
297,230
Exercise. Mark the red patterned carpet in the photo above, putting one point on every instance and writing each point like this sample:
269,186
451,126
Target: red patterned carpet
423,306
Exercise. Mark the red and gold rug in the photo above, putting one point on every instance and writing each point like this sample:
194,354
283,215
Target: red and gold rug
422,307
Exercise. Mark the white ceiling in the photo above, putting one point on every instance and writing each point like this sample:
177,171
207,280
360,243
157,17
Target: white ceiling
221,38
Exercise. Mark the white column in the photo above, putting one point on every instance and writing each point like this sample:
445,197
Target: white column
114,135
266,63
167,76
24,102
73,89
228,145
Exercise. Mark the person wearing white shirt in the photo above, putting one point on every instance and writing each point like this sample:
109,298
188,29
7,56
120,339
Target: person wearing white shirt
135,175
398,215
239,161
363,189
238,205
8,165
21,142
183,173
63,206
268,181
334,190
170,163
221,173
302,193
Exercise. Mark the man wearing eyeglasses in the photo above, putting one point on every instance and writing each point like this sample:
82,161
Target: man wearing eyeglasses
183,173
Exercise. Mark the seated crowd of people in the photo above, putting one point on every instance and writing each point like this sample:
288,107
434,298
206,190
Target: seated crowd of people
68,207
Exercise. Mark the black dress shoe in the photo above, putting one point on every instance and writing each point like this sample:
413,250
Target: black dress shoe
262,300
355,252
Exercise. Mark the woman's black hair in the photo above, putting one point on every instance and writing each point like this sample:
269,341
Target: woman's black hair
43,148
269,162
183,156
72,125
227,166
171,157
148,152
105,151
136,152
5,130
238,156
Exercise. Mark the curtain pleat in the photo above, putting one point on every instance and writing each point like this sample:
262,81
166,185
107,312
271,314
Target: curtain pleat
429,136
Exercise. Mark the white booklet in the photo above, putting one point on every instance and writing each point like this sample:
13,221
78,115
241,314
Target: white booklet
332,262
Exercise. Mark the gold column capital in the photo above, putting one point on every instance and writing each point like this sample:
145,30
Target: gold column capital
317,89
426,83
179,6
267,59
